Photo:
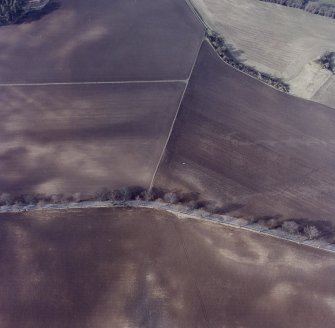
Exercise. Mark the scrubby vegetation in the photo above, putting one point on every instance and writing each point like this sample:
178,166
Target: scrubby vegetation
327,61
225,53
183,202
315,7
289,3
12,10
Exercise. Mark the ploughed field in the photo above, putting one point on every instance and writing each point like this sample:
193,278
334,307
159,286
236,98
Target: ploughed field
327,91
79,138
145,268
87,101
89,94
89,91
102,40
251,148
234,141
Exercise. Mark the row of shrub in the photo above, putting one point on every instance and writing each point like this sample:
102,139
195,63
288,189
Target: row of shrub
185,202
311,6
301,4
225,53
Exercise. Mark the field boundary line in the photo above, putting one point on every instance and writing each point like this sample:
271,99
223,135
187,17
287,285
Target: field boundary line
225,220
176,115
197,13
89,83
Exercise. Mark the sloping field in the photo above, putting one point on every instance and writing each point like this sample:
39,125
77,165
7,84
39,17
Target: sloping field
275,39
69,138
102,40
327,93
143,268
250,147
62,128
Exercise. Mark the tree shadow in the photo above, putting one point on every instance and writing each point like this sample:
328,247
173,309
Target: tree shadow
325,228
228,208
269,221
235,53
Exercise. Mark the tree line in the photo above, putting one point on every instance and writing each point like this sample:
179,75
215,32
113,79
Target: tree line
311,6
183,202
12,10
225,53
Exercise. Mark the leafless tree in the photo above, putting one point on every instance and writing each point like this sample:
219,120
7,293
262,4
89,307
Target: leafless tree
311,232
79,197
272,223
103,194
311,6
6,199
291,227
192,204
171,197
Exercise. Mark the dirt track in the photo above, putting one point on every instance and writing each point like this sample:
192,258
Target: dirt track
142,268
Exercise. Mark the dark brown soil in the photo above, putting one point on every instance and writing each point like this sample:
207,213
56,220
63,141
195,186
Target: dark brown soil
102,40
251,148
77,138
142,268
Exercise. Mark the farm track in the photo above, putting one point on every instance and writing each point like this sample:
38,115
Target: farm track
87,83
175,118
232,150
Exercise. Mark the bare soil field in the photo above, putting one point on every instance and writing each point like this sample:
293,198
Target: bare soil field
143,268
102,40
275,39
70,138
327,93
254,150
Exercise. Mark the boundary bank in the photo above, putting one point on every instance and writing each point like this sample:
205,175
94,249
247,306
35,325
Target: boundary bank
182,213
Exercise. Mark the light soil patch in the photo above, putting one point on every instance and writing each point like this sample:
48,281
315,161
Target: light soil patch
309,81
68,138
327,93
145,268
275,39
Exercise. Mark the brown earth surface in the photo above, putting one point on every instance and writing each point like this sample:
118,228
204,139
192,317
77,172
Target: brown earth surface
75,138
327,92
250,147
143,268
102,40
